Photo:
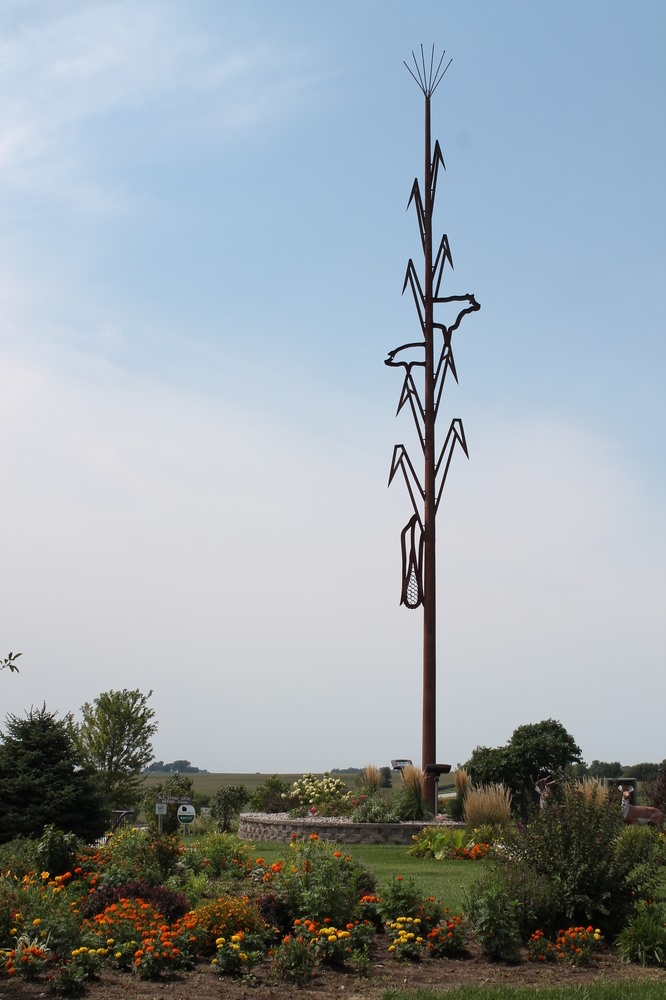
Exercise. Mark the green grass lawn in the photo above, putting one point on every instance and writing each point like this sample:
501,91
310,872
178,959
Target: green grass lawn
588,991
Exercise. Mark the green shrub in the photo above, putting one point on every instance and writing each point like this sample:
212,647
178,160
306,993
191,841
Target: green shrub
19,856
643,938
536,898
374,809
269,797
293,961
327,796
223,917
219,854
319,881
57,851
137,855
492,914
399,897
573,845
226,803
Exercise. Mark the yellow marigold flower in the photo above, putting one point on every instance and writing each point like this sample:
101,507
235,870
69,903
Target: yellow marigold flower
110,941
45,875
119,954
37,921
13,931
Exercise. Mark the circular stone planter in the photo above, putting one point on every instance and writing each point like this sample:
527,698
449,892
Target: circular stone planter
281,827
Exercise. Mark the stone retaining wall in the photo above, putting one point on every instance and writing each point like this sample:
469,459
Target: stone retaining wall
279,827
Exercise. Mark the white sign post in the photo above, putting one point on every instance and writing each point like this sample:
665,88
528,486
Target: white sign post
160,810
186,814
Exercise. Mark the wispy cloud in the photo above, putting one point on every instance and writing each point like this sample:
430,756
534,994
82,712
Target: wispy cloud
158,71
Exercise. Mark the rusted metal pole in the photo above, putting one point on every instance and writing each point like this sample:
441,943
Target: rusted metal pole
429,727
418,540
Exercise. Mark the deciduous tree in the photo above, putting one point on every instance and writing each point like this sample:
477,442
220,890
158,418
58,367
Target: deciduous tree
115,739
227,802
536,748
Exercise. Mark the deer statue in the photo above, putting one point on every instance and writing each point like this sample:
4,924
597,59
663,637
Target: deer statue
641,815
544,789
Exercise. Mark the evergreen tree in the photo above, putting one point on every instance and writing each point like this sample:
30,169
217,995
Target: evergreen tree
42,781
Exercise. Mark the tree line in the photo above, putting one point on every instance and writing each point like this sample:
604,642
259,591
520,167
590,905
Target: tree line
74,774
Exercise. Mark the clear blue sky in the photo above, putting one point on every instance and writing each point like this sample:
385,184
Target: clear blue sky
203,241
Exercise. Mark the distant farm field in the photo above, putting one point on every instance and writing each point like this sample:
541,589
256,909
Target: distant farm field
208,783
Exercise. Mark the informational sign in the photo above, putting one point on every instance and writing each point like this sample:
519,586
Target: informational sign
161,808
186,814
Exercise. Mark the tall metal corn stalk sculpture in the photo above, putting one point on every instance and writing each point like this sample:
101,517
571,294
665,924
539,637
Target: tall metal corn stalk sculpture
434,354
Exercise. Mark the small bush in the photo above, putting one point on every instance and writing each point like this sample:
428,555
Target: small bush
318,881
137,855
19,856
399,897
374,809
226,803
407,943
576,945
573,846
236,955
327,796
224,917
218,854
493,917
269,797
447,940
643,938
57,851
536,896
293,961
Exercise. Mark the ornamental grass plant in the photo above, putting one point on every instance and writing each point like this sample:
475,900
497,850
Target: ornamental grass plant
488,805
409,803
